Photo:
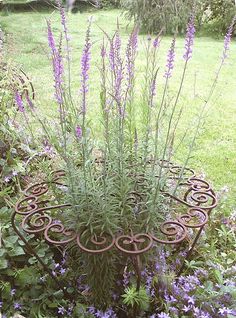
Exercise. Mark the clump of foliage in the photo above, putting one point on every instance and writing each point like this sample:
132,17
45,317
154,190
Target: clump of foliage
12,148
217,15
206,289
213,16
115,183
110,3
152,16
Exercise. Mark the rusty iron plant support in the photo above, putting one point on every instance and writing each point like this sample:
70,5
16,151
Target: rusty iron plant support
195,195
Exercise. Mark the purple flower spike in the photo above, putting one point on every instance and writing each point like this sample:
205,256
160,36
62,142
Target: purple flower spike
156,42
130,57
85,65
78,132
189,39
103,51
170,60
57,65
19,102
227,40
63,19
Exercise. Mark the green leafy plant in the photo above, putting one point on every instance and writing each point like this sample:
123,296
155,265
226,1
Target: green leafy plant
132,297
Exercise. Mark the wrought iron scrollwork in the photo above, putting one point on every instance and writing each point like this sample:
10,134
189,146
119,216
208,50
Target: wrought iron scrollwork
37,217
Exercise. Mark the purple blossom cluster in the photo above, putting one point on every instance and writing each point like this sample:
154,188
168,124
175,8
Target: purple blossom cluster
109,313
189,39
62,311
10,176
170,60
59,268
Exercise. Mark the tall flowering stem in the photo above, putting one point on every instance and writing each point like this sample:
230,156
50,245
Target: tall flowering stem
227,41
131,52
67,39
167,75
189,39
85,66
149,91
57,67
19,102
170,60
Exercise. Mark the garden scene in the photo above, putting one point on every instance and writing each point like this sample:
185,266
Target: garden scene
117,159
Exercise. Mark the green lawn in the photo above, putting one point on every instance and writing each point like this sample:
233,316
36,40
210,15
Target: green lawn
215,153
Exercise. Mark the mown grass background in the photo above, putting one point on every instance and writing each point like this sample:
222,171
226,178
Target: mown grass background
215,151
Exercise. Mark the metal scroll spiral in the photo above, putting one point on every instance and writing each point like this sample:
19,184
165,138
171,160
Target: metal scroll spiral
36,218
189,219
96,244
134,244
174,231
58,228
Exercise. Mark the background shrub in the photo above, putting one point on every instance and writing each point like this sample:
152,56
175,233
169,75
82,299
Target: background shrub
217,14
212,16
152,15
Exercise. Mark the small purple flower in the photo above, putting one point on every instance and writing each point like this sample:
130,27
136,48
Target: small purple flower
225,311
186,308
196,312
43,278
205,315
61,310
126,278
91,309
62,271
78,132
191,300
163,315
17,306
170,60
7,179
189,39
1,303
19,102
12,292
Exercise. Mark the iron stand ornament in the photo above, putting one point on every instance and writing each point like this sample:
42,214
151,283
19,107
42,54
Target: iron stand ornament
38,218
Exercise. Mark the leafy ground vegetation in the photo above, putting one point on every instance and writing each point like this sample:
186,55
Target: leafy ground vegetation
207,286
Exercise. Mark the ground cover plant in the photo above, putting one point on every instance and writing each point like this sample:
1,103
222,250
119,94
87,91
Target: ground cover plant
162,295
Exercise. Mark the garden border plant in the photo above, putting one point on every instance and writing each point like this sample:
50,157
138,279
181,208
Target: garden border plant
121,184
